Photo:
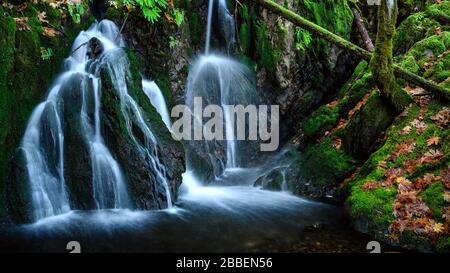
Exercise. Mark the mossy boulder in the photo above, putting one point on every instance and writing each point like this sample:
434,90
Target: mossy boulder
29,61
272,181
141,178
374,202
360,135
318,170
413,29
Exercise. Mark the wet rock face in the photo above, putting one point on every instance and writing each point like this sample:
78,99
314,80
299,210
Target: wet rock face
95,48
142,181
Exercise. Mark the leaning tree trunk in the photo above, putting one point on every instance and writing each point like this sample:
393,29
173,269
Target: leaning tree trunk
381,63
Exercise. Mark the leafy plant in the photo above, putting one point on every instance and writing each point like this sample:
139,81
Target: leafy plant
46,53
179,16
75,11
303,39
172,42
151,9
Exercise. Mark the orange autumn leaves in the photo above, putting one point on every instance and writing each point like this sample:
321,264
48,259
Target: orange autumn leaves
22,22
400,172
412,213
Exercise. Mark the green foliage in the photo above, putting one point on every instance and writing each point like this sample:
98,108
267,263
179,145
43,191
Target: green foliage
172,42
151,9
195,27
443,245
324,164
433,197
46,53
267,55
303,39
178,16
321,120
75,11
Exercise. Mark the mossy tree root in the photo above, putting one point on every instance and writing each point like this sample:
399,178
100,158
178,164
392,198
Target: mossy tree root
432,87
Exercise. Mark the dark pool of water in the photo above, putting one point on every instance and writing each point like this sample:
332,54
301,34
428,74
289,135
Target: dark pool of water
206,219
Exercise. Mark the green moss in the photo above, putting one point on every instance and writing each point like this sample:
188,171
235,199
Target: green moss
433,197
375,206
267,55
360,135
443,245
411,240
438,11
195,27
413,29
430,47
410,64
440,70
7,32
325,165
244,29
321,120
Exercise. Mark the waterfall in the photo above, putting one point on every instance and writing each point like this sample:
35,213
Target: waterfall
156,98
133,116
208,26
44,157
227,25
221,80
226,22
390,6
43,141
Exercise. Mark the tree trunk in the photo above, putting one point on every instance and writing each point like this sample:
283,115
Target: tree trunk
381,63
432,87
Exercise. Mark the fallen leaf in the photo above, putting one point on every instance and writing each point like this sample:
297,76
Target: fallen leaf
370,185
405,131
419,125
442,117
337,142
434,154
49,32
414,91
434,140
22,23
438,228
332,104
42,16
410,165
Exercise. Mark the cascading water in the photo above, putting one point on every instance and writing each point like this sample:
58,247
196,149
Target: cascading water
44,156
227,215
43,142
156,97
221,80
227,25
133,116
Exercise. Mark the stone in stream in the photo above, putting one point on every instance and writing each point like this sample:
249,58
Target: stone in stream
95,48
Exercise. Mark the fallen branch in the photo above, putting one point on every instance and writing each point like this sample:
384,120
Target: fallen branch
83,44
121,28
363,31
432,87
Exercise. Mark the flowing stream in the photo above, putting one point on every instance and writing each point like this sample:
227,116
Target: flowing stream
226,214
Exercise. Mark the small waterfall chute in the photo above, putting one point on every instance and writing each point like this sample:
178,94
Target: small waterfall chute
156,98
